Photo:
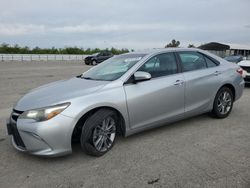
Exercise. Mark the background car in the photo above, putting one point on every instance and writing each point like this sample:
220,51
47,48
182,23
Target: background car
98,58
234,58
245,65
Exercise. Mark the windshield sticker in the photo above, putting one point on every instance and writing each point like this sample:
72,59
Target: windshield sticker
132,59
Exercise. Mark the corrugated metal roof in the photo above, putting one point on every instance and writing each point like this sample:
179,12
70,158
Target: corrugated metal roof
239,46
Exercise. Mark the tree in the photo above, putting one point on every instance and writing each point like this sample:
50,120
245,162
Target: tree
173,44
191,46
16,49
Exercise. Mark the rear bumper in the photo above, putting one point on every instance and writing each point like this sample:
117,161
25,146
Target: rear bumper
49,138
239,88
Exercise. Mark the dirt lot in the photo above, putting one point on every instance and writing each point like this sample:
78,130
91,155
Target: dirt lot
198,152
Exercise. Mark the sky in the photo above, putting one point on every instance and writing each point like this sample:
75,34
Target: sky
132,24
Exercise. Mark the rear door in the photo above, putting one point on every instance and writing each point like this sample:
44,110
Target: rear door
202,80
160,99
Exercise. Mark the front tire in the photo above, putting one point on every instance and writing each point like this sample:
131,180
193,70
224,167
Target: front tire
99,132
223,103
94,62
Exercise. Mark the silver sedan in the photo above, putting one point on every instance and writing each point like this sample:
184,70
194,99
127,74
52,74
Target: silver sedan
124,95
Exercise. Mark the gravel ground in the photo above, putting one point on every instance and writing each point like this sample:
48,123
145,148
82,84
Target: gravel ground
198,152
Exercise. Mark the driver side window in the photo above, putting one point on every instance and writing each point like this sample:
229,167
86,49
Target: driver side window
101,54
160,65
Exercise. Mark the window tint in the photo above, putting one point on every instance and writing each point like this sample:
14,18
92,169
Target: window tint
192,61
106,53
100,54
160,65
113,68
210,63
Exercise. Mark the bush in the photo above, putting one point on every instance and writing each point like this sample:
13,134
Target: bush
16,49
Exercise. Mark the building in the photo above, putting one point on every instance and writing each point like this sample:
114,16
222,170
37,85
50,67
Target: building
224,50
216,48
239,50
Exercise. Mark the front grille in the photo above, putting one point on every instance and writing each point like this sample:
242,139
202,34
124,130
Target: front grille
246,68
15,114
17,138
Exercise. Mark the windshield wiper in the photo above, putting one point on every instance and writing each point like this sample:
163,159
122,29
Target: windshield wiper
87,78
79,76
82,77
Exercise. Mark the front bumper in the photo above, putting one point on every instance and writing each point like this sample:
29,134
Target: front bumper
48,138
87,61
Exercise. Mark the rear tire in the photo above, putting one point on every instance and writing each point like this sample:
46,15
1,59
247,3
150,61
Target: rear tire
99,132
223,103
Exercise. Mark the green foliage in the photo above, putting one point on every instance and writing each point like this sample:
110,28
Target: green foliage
16,49
173,44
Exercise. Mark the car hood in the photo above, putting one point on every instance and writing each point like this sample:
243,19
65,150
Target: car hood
88,57
58,92
244,63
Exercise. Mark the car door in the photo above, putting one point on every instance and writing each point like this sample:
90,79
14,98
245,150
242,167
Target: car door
202,80
159,99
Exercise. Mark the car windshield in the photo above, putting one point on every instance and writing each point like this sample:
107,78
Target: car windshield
113,68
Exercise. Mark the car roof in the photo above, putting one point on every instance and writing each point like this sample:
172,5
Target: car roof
160,50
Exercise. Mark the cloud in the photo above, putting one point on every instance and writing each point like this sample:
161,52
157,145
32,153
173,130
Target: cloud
27,29
20,29
131,24
85,28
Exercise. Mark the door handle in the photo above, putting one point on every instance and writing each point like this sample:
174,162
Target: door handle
178,82
216,73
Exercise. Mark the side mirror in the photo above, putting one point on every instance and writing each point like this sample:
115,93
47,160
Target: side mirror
141,76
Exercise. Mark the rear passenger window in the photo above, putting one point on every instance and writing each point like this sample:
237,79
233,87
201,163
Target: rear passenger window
160,65
210,63
192,61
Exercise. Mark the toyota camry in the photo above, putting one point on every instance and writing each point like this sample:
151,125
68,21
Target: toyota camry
123,95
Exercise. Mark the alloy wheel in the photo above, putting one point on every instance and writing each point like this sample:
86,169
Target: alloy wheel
104,134
224,103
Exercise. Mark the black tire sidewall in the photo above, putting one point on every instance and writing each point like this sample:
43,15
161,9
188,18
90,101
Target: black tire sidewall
88,127
94,63
215,106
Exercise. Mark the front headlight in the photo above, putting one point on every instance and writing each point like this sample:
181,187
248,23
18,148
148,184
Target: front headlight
43,114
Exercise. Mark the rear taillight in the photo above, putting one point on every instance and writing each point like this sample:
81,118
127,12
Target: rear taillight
240,71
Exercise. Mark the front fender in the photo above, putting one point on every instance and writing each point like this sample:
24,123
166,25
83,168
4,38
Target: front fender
113,98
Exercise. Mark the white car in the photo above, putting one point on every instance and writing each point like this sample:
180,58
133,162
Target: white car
245,65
